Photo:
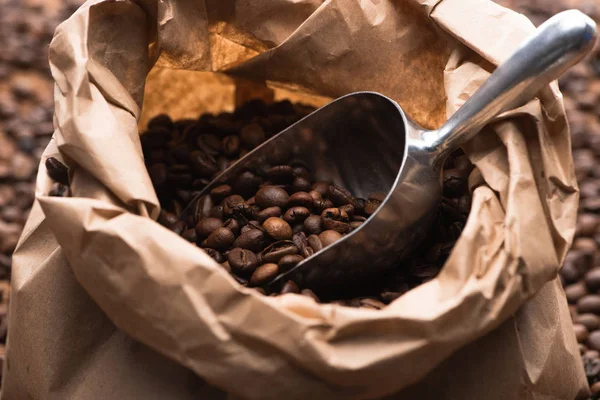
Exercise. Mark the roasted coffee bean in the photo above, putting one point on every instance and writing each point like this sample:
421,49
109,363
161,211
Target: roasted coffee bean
329,237
231,145
289,261
589,304
274,252
57,170
252,135
216,255
207,226
315,243
277,228
280,173
300,199
296,215
264,274
371,205
189,235
242,261
268,213
290,287
279,155
593,340
301,243
301,171
230,202
233,225
575,292
590,321
321,205
220,239
221,192
253,239
592,280
312,224
203,163
340,196
272,196
301,184
322,188
581,333
335,219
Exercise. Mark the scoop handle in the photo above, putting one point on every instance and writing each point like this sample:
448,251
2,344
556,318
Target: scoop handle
556,45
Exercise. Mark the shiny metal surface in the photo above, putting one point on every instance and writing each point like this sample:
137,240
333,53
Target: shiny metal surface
365,142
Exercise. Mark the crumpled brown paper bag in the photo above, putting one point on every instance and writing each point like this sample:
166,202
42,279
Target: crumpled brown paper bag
429,55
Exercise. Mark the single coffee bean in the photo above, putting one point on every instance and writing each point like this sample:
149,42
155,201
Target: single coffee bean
355,224
57,170
252,135
329,237
204,164
316,196
233,225
348,209
296,215
221,192
301,184
593,341
301,199
277,228
301,171
321,205
590,321
216,212
586,245
242,261
371,205
321,187
167,219
315,243
335,219
311,294
290,287
288,262
271,196
220,239
189,235
231,145
589,304
268,213
587,224
340,196
216,255
247,183
179,227
279,155
575,292
274,252
312,224
280,173
252,239
581,333
207,226
264,274
301,243
592,280
230,202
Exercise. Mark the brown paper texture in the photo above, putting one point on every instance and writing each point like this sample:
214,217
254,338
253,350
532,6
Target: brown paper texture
158,289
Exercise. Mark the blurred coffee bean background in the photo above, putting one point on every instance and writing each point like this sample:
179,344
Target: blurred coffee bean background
26,106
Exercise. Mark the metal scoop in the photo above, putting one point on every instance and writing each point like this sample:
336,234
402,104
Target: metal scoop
366,143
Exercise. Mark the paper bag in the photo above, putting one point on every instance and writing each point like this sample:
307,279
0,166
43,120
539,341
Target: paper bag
429,56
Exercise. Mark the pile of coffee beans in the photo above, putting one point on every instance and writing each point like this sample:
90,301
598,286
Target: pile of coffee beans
26,107
267,219
581,271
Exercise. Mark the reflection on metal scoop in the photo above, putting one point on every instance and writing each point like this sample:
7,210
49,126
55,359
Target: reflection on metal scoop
365,143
